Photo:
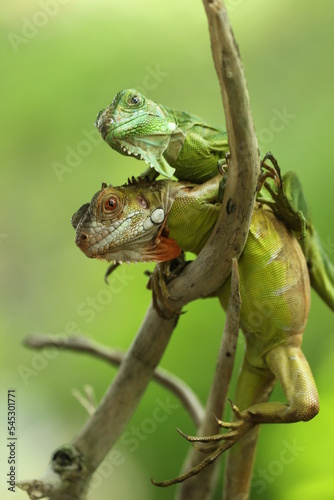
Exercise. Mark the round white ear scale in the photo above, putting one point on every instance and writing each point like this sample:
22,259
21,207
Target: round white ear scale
157,216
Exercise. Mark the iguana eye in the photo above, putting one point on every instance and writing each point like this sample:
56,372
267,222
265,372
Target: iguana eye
111,204
134,100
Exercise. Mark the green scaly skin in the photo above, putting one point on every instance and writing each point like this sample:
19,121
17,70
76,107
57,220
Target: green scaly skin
289,205
176,142
274,287
171,142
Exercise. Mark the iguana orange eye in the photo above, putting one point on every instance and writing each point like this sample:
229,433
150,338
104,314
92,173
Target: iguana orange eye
111,204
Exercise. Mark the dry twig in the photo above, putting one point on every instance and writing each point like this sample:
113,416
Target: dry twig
115,357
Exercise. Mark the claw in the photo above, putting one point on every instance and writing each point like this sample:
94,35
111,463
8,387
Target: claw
216,418
163,273
285,208
195,470
237,429
235,410
268,172
196,439
108,272
222,164
160,292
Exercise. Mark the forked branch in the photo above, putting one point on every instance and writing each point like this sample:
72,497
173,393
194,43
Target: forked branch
72,466
115,357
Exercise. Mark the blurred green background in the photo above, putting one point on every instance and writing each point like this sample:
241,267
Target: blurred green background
62,61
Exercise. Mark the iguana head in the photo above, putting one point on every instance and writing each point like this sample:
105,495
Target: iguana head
127,223
138,127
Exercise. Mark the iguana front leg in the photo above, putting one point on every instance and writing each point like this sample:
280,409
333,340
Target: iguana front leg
289,204
164,273
266,172
286,198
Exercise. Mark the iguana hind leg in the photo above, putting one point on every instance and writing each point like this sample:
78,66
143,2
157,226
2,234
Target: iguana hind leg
288,365
292,371
253,386
290,368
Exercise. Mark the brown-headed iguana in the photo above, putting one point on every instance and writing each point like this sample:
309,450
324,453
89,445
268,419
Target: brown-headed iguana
153,221
180,143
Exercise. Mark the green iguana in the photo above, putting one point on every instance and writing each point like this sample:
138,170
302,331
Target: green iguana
169,141
154,221
286,200
176,142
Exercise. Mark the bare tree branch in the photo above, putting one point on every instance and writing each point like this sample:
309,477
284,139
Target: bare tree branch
87,400
115,357
105,426
72,466
202,487
213,265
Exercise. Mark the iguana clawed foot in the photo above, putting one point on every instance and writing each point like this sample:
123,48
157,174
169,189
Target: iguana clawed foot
269,172
266,172
237,429
222,166
286,197
164,273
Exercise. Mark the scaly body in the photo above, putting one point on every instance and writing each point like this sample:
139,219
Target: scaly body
171,142
179,143
274,285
